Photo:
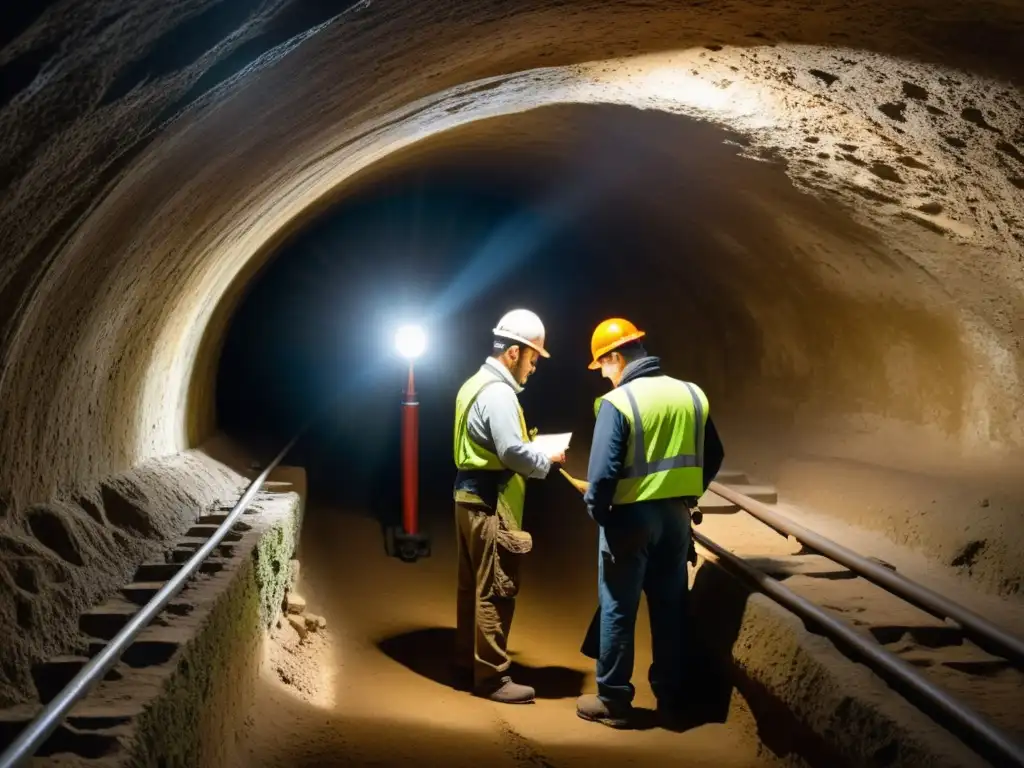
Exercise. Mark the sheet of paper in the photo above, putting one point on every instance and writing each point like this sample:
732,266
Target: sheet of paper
553,443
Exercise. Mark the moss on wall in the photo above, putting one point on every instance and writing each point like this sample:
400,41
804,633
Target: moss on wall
195,719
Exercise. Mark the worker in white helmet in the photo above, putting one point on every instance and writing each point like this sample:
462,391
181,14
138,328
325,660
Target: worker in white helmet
494,457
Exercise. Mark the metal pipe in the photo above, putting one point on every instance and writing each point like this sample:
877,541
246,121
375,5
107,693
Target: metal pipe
989,741
410,457
986,634
38,730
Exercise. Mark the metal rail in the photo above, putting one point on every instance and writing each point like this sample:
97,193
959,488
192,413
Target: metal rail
981,630
38,730
971,727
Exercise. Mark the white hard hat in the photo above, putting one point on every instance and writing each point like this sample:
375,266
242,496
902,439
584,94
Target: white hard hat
523,326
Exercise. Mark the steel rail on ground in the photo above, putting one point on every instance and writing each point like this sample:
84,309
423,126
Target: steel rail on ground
986,634
36,733
973,729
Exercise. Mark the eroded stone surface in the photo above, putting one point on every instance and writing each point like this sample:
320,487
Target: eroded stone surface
126,215
93,98
66,560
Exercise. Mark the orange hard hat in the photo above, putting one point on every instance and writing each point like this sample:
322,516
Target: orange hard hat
611,334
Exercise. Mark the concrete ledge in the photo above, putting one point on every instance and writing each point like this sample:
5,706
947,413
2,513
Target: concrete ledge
813,704
188,710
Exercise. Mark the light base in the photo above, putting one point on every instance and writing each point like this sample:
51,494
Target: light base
407,547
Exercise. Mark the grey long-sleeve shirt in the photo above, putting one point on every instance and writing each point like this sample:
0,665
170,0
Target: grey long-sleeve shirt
493,422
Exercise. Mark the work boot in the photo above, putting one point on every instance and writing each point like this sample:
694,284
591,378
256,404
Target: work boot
504,691
613,714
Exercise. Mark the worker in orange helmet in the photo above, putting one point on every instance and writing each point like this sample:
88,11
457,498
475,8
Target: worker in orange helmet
655,450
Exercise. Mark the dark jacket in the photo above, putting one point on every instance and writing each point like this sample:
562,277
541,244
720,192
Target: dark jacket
611,439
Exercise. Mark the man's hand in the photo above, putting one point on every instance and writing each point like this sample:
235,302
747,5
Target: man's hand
557,458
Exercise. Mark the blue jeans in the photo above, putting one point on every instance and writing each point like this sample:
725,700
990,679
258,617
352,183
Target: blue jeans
643,548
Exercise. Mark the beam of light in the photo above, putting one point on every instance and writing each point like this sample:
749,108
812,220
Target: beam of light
512,245
605,165
410,341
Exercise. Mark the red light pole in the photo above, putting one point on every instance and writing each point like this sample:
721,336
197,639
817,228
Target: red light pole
410,456
406,542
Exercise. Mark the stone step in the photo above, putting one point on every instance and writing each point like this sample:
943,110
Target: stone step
51,676
966,658
250,510
207,531
712,503
105,621
84,734
165,571
187,547
217,518
925,634
766,494
13,720
154,646
732,477
141,592
814,566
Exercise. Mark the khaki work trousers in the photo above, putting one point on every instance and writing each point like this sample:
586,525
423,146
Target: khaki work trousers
488,584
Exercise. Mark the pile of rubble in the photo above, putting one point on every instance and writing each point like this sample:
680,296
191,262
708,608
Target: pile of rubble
294,608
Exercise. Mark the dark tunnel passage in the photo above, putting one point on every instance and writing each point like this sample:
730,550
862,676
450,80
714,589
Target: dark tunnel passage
805,329
579,212
215,212
814,341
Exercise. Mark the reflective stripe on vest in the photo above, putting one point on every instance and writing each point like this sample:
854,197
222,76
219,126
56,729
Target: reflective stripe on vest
665,457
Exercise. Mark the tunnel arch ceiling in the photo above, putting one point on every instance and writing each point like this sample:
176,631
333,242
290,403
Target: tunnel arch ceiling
104,312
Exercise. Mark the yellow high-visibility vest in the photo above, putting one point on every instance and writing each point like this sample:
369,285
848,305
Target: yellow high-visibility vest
665,454
472,456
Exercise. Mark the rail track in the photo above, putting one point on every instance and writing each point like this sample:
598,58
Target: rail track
951,662
946,659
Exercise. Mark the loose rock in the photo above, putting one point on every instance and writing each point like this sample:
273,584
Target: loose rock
299,625
295,603
315,623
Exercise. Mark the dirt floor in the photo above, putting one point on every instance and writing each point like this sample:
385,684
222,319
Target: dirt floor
373,688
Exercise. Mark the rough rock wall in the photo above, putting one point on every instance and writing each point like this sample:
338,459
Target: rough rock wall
74,551
98,82
125,213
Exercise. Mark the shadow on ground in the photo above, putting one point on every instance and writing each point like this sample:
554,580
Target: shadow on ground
429,652
718,602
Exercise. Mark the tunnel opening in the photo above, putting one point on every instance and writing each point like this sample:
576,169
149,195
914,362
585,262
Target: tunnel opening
816,339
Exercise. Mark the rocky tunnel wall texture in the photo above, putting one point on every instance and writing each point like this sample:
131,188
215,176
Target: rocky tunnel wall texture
154,153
